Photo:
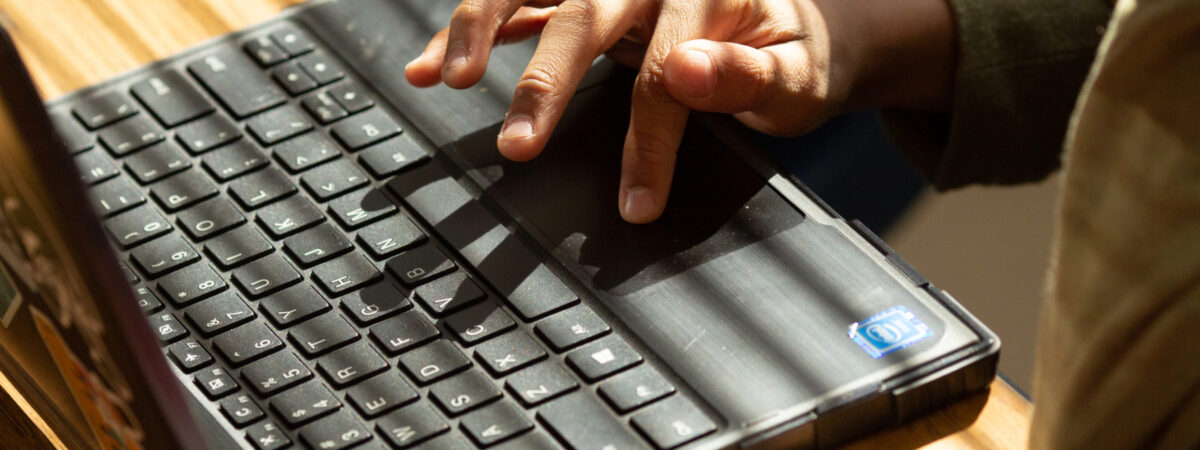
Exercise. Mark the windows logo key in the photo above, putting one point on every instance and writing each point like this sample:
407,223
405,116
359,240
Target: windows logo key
888,331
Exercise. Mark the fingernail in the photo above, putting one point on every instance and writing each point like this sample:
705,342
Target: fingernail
701,79
517,127
639,204
455,59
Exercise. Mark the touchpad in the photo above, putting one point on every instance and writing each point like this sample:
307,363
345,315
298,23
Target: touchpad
746,299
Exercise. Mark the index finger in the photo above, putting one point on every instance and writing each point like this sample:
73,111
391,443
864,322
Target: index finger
656,120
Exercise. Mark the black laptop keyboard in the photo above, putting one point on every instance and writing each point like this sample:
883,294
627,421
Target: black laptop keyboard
304,264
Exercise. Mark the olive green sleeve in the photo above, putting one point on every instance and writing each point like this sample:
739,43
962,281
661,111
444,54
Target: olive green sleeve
1021,64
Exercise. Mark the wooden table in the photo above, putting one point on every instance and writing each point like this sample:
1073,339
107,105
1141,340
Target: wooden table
69,44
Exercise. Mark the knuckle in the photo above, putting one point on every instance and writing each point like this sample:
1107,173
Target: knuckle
653,150
468,12
649,84
580,12
538,80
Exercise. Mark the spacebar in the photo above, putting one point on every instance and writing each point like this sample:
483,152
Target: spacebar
584,424
453,212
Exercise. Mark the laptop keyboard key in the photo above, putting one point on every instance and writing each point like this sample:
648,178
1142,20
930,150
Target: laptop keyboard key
509,352
258,189
276,373
183,190
131,135
167,327
247,343
306,152
582,422
100,110
267,275
321,68
323,107
215,382
94,167
292,305
529,441
351,97
571,328
234,161
405,331
424,263
305,403
73,136
293,78
317,245
322,334
635,388
336,432
449,294
365,129
392,156
496,423
390,236
361,208
540,383
333,179
464,392
171,98
433,362
157,162
265,51
351,364
189,355
278,124
164,255
238,247
381,394
207,133
346,274
411,425
191,284
540,293
147,300
479,323
603,358
136,226
673,422
374,303
209,219
239,86
241,410
292,40
267,436
288,217
219,313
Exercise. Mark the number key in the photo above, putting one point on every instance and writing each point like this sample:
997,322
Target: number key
191,284
137,226
164,255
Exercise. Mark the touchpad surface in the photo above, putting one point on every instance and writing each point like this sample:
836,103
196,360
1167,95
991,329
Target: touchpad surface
744,297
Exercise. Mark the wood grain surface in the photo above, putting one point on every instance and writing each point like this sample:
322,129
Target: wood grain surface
70,44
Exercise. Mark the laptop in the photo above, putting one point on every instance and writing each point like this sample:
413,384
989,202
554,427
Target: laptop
272,241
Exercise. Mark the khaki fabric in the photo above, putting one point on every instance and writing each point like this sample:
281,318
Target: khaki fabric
1118,362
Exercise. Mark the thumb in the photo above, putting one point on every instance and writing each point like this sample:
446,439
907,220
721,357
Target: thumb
731,78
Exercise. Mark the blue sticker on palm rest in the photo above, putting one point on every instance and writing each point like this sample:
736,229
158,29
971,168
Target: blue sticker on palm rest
889,331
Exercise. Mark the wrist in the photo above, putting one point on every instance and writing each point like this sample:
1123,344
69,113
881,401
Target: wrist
899,54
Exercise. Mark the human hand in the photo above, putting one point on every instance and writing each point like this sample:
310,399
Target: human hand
780,66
